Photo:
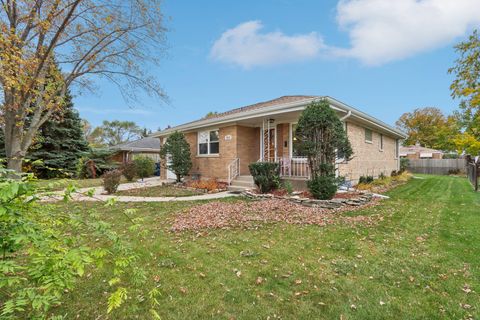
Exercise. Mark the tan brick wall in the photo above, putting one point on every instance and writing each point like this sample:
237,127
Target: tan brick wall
248,147
368,159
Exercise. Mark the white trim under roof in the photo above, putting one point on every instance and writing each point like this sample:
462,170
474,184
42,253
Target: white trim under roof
283,108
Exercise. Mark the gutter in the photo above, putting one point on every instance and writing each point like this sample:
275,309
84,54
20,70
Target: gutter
288,107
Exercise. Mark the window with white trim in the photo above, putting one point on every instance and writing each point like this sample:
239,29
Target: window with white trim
368,135
380,143
208,142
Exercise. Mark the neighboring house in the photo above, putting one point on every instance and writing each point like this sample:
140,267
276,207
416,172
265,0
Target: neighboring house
223,145
127,151
418,152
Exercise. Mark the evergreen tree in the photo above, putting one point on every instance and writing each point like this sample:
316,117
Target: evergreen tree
59,145
177,149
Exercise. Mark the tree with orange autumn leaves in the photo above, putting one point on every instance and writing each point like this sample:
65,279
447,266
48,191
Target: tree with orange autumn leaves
430,128
49,46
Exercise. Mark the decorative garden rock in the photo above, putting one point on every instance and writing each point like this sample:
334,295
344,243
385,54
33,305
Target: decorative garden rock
335,203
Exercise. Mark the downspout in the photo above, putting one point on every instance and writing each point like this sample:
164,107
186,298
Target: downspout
345,117
349,113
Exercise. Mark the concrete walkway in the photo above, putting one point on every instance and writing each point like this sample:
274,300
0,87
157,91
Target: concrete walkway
99,193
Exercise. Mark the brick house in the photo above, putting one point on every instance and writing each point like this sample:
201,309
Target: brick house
418,152
223,145
148,147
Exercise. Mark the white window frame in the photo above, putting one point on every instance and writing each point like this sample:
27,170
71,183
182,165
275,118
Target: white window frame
381,142
290,147
208,143
365,135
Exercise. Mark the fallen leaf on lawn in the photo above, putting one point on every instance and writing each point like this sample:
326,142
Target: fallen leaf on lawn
183,290
466,289
465,306
202,275
354,307
156,278
382,303
259,280
238,273
298,281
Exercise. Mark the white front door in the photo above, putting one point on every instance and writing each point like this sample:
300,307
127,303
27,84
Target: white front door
170,174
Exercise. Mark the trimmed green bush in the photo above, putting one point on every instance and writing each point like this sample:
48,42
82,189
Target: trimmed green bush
322,187
266,175
129,170
111,180
144,166
404,163
365,179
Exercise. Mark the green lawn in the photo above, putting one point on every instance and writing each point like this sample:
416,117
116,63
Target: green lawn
420,262
60,184
159,191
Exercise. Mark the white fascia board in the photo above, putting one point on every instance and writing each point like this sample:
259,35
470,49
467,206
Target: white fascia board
279,109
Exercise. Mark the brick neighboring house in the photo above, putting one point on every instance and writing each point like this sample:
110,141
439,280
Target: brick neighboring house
418,152
223,145
127,151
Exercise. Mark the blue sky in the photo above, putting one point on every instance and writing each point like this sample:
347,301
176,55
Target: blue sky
380,56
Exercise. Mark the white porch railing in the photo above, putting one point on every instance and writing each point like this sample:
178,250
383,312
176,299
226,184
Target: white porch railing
295,167
233,170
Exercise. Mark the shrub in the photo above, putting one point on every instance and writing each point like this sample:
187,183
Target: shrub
454,171
43,263
404,163
365,179
287,186
144,166
209,185
266,175
95,163
111,180
382,176
394,173
322,187
129,170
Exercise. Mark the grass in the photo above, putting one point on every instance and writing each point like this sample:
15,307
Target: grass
416,264
159,191
60,184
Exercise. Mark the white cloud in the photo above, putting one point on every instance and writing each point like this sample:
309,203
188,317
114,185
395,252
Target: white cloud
247,47
381,31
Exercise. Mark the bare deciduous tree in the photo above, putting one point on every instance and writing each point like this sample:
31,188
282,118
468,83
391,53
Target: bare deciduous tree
47,46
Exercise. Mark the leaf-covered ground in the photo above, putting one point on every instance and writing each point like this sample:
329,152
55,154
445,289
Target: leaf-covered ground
223,215
421,261
159,191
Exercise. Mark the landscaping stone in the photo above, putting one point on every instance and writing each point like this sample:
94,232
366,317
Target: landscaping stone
335,203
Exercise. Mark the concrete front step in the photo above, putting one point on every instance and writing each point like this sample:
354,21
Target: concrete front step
244,178
240,183
237,188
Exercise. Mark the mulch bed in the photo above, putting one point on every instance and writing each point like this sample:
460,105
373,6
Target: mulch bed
222,215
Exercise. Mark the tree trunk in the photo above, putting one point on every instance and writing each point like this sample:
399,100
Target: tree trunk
13,147
15,164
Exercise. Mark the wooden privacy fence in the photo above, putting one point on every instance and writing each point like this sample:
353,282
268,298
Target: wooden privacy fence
473,171
436,166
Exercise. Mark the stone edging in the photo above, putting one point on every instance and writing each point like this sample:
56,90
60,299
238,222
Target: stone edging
364,198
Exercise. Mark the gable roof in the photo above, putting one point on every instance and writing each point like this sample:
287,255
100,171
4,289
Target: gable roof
144,144
416,149
278,106
259,105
